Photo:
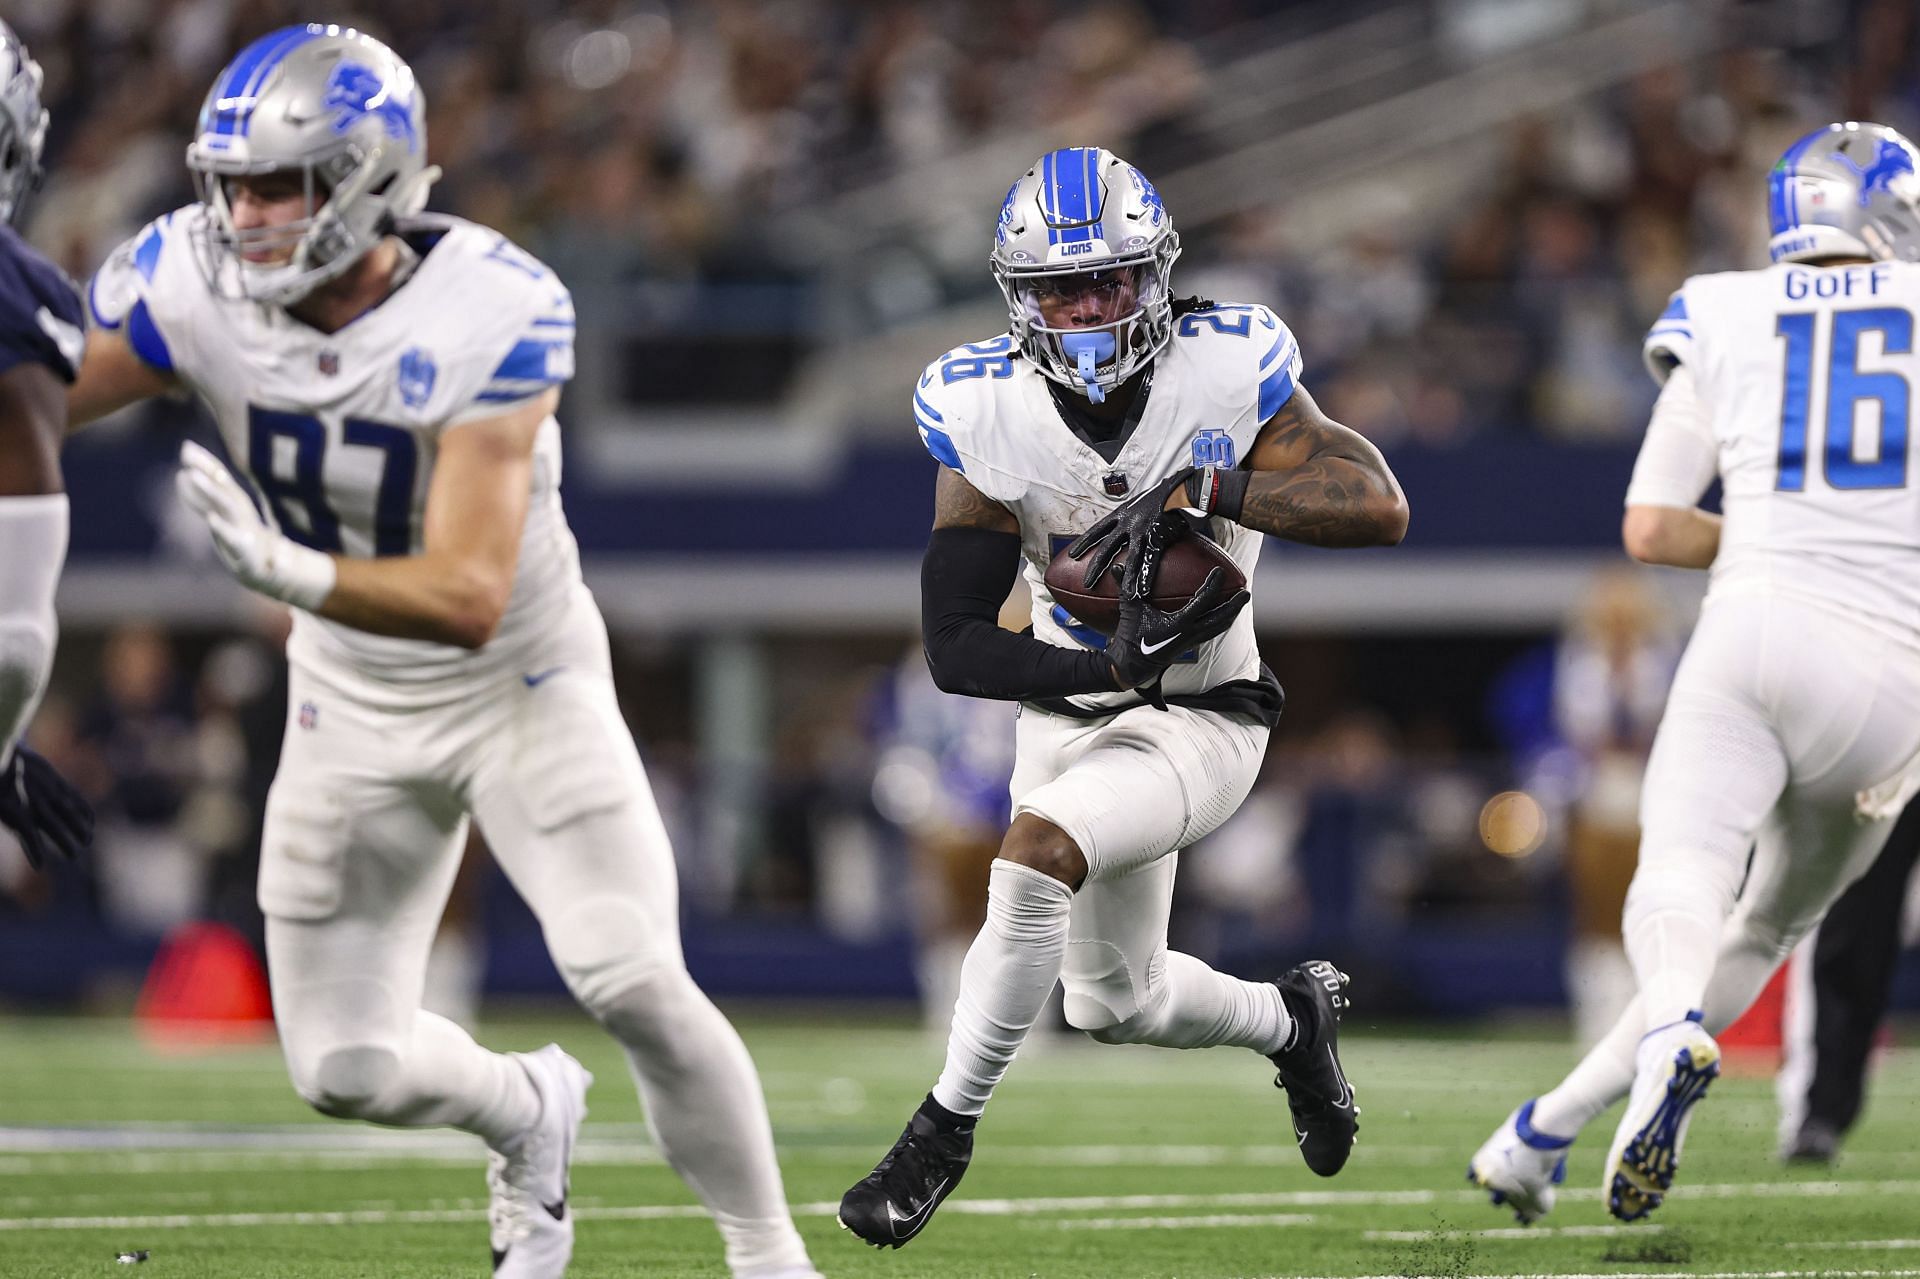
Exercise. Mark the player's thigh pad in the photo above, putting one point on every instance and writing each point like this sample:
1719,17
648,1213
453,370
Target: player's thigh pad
303,851
571,753
351,824
571,820
1718,765
1139,786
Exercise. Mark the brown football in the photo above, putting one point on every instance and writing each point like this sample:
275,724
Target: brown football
1183,567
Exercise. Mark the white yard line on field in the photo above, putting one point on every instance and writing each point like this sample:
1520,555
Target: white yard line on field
963,1207
1888,1244
172,1148
1511,1232
1183,1223
1690,1274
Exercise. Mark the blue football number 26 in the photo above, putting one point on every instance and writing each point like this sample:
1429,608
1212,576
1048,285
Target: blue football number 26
1847,386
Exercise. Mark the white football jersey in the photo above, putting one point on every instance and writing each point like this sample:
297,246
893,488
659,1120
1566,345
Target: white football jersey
337,432
1807,375
986,413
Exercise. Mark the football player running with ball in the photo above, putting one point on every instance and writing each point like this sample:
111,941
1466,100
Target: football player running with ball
41,335
385,381
1106,414
1794,721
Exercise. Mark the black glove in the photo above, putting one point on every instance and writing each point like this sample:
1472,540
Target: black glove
1208,489
1125,529
1149,639
43,809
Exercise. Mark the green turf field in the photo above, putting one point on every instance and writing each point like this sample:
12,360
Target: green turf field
1093,1161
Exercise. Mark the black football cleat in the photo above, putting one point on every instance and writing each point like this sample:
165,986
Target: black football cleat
1325,1119
894,1202
1817,1143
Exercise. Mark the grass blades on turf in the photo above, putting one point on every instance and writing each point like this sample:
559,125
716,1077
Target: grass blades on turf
1092,1161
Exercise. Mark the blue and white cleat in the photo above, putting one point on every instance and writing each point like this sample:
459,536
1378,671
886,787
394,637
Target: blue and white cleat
1519,1166
1676,1063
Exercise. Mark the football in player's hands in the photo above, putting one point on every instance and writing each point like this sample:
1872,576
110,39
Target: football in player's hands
1184,566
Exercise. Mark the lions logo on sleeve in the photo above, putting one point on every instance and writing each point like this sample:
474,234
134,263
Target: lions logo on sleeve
1670,342
41,321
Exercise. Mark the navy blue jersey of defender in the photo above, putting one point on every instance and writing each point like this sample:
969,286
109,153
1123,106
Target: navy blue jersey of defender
41,321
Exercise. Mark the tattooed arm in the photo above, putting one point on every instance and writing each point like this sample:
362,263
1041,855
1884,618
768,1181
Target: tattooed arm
958,504
1319,482
1307,479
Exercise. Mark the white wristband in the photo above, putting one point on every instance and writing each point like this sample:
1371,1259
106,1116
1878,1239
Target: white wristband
299,575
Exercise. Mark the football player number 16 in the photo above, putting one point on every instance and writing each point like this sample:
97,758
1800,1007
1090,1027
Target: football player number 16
1847,386
287,454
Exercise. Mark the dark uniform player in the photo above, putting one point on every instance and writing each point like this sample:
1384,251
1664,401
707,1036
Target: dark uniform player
41,340
1824,1077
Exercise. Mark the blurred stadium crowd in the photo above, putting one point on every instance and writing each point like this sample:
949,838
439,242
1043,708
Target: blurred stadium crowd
634,144
648,141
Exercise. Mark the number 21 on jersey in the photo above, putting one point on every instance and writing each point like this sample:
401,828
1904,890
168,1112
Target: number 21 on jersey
1847,385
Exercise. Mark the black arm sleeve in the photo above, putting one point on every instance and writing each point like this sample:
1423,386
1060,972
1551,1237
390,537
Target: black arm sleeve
963,580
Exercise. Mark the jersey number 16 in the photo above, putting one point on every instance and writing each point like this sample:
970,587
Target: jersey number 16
1847,386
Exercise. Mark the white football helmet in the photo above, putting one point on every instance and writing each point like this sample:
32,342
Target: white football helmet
23,123
342,110
1083,252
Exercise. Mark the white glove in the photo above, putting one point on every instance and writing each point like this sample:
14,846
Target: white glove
262,557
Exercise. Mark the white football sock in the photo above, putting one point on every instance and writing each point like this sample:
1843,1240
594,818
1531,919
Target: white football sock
1010,970
357,1050
34,532
1189,1005
1673,931
708,1116
1601,1078
451,1080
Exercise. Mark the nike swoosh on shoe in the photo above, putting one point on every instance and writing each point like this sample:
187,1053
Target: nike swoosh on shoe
897,1221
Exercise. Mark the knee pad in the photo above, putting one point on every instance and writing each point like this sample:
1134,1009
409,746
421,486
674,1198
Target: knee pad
1142,1028
606,948
1772,937
347,1082
1694,883
650,1017
1100,994
26,654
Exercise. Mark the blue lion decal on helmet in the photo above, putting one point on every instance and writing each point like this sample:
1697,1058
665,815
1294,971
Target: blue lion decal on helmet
1889,162
356,90
1006,216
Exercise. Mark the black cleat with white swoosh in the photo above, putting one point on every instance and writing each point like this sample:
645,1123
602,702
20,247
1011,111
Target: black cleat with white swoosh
1325,1119
895,1201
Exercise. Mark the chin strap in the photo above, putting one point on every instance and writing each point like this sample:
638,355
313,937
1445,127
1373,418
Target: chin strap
1088,350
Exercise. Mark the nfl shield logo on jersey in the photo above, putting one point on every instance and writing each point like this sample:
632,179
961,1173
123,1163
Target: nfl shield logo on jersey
416,377
309,715
329,362
1115,483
